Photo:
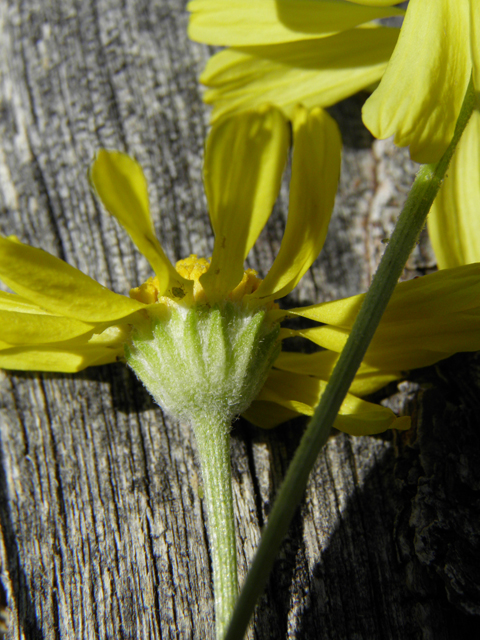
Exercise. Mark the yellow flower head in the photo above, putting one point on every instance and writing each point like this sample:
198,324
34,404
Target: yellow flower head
59,319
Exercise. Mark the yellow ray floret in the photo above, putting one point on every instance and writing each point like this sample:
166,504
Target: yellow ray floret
421,93
248,22
454,220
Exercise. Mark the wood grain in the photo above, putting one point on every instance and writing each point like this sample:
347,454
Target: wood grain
102,524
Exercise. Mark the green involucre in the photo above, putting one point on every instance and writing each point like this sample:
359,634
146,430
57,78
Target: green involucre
204,362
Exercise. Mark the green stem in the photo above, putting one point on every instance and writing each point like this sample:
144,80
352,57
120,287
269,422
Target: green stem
407,230
213,441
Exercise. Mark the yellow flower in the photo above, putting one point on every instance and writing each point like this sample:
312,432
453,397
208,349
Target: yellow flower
287,52
59,319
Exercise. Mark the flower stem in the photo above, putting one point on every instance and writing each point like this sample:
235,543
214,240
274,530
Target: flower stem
213,441
407,230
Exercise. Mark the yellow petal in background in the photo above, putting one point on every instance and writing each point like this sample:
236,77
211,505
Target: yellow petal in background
404,349
421,93
244,160
302,393
310,72
454,219
315,172
248,22
121,186
57,287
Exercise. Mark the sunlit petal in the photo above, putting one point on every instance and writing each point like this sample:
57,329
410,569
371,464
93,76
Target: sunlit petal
29,328
475,42
340,313
454,219
244,160
67,360
14,302
302,393
57,287
421,93
407,346
310,72
427,319
249,22
320,364
326,336
121,186
360,418
412,354
375,3
314,183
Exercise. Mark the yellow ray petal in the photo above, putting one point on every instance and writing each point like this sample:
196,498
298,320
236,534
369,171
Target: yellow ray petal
57,287
14,302
311,72
244,159
411,354
319,364
121,186
427,319
302,393
421,93
367,418
248,22
268,414
442,294
454,219
475,42
375,3
68,360
405,352
315,173
30,328
367,380
326,336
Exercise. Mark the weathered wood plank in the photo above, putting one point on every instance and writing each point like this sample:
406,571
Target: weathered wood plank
102,525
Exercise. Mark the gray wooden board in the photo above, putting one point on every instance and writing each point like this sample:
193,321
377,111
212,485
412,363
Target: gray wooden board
102,523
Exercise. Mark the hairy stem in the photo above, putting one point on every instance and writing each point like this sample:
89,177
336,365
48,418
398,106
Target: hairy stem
213,440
